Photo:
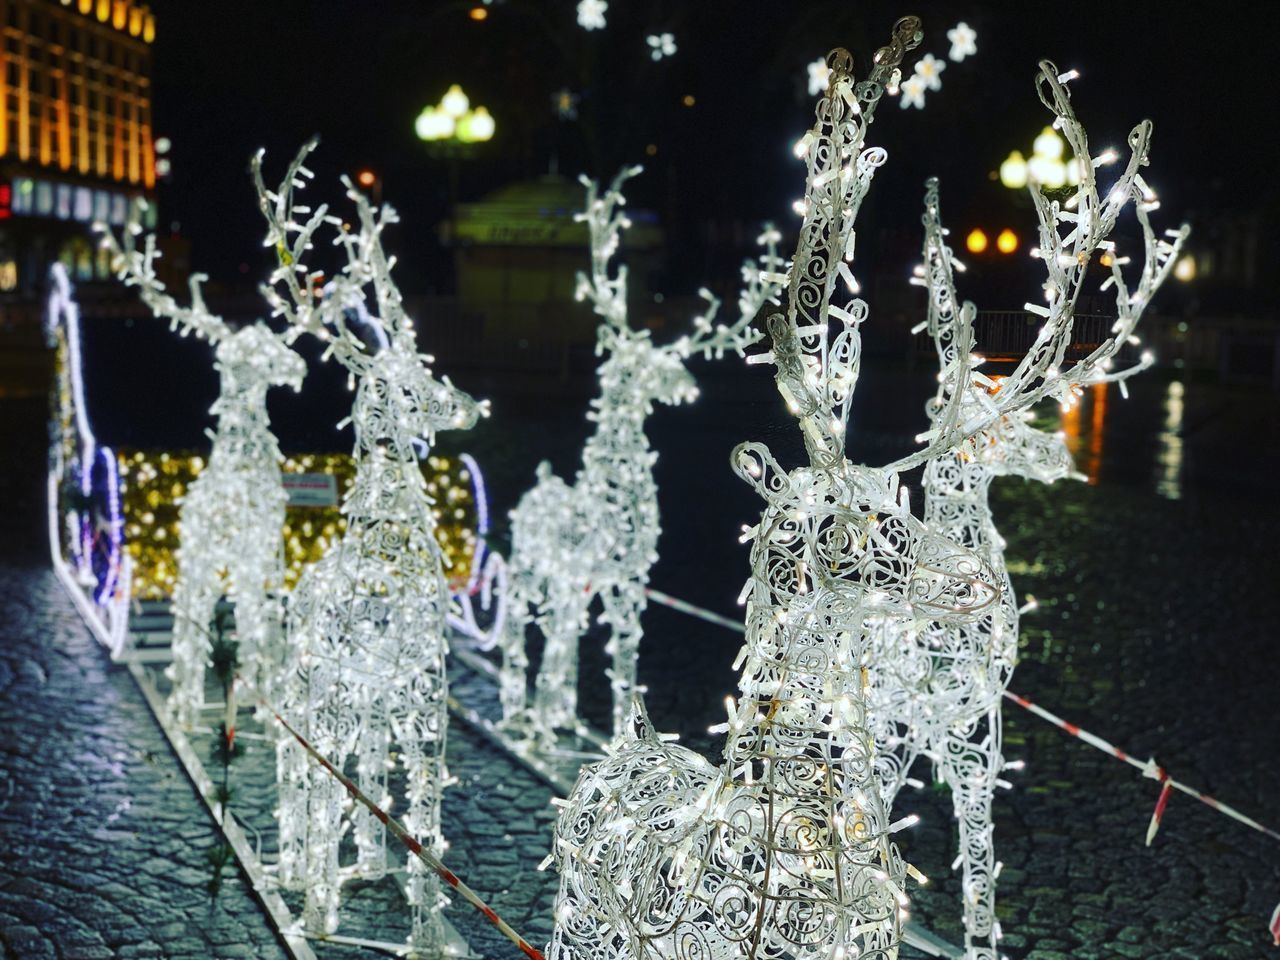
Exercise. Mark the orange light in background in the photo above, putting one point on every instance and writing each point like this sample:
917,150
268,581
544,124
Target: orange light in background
1007,242
478,14
976,241
366,178
1097,429
1106,260
651,150
688,100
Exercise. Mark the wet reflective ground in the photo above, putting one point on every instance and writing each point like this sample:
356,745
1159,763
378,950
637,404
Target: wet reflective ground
1157,627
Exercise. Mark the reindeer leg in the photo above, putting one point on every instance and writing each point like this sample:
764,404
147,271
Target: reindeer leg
971,763
555,697
624,605
372,741
324,830
195,598
420,725
513,675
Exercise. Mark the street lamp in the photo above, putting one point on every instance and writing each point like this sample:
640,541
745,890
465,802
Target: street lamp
1047,167
451,129
453,120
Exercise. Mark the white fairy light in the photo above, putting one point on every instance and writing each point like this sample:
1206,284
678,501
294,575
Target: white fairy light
599,537
591,14
367,622
941,691
661,45
232,516
964,42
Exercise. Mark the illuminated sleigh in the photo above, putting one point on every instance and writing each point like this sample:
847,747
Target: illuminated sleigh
113,512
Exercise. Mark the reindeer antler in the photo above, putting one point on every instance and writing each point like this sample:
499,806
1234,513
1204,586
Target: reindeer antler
1090,219
136,267
323,316
605,221
816,372
762,281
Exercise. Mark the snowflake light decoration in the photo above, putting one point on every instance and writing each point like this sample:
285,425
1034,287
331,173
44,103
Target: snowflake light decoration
367,622
819,73
964,42
940,695
591,14
913,89
929,69
232,517
661,45
599,537
785,849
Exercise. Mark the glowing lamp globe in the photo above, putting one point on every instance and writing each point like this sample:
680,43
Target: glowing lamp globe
476,126
976,241
1013,172
433,124
1048,145
455,103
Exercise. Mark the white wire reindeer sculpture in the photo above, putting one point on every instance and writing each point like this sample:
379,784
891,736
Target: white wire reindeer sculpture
599,537
784,851
232,517
942,691
366,623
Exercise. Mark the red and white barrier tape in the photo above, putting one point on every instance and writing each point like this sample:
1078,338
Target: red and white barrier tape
416,848
1148,767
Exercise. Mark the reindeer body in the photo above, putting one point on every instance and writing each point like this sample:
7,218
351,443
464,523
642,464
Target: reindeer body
230,524
784,851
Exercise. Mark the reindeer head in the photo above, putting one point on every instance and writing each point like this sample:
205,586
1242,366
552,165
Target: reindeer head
639,372
256,353
400,404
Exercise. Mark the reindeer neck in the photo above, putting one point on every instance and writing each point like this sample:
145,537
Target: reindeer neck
388,485
243,429
617,458
957,502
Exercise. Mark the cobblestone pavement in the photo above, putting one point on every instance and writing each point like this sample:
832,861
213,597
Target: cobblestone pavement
104,840
1156,630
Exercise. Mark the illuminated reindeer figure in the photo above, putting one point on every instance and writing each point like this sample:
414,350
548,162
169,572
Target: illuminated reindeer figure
366,623
784,851
599,537
942,691
232,517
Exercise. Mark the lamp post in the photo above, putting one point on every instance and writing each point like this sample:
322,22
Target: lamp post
451,129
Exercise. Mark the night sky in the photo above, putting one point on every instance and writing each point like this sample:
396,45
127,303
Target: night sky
234,75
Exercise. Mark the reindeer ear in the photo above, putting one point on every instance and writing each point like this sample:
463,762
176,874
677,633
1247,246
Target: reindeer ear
755,464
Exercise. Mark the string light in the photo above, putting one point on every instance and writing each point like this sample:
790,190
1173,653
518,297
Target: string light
84,519
599,537
367,622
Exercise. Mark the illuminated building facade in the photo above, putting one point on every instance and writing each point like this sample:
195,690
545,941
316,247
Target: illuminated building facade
76,141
